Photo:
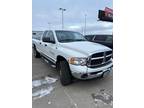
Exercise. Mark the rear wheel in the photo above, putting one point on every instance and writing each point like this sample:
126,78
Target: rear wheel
65,73
36,53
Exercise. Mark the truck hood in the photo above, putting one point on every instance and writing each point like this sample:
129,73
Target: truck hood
85,47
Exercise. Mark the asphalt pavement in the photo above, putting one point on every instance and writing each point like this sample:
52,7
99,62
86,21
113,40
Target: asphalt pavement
95,93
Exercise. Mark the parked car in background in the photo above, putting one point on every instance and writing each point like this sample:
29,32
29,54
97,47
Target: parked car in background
37,34
106,40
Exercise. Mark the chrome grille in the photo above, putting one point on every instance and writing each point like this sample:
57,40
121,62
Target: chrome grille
108,55
99,59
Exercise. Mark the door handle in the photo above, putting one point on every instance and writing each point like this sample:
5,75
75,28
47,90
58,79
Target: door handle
45,44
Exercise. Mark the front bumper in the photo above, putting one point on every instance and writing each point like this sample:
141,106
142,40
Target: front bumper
83,72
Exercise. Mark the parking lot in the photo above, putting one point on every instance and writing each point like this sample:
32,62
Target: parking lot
95,93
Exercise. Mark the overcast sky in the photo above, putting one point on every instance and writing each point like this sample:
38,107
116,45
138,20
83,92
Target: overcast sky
46,13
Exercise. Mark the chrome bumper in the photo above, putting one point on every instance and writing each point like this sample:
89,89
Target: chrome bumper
83,72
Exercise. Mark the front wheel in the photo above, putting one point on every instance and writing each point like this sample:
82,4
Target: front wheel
65,73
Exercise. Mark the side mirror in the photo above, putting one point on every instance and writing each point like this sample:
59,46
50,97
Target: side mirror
48,40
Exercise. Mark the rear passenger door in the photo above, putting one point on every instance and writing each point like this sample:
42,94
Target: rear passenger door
49,47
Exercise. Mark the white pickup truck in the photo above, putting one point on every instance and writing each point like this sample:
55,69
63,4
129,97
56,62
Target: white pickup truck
73,55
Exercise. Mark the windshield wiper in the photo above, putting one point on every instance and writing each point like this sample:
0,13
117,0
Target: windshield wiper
79,40
71,40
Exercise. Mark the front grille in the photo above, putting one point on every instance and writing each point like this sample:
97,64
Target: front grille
100,65
99,59
94,62
107,58
108,55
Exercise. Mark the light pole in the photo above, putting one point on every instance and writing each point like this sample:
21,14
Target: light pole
85,25
62,9
82,30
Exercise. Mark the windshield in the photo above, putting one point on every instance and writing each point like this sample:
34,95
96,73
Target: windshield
69,36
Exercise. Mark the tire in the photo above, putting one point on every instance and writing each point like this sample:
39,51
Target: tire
102,76
36,53
65,73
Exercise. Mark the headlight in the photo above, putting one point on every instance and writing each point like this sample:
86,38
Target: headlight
78,61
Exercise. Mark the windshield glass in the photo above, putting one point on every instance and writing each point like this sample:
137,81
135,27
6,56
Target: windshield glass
69,36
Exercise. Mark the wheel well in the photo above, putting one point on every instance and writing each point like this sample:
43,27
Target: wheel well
59,58
33,46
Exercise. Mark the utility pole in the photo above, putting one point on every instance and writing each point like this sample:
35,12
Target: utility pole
62,9
82,30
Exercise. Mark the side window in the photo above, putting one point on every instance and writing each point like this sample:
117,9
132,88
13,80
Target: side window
44,35
100,38
49,34
109,38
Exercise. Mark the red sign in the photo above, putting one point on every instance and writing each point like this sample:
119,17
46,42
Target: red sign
108,12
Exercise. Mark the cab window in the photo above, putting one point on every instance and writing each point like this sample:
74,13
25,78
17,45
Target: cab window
49,34
100,38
